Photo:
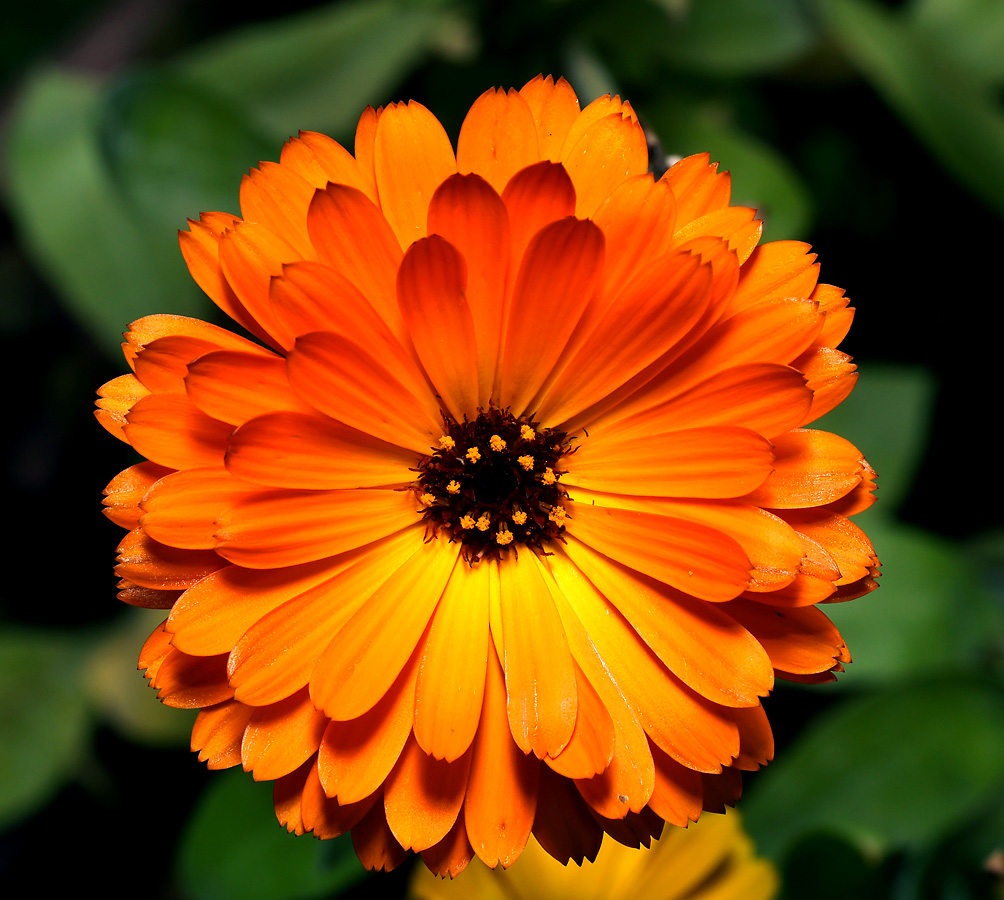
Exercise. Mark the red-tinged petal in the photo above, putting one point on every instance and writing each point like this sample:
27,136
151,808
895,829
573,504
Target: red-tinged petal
563,825
277,643
856,589
147,598
318,159
810,468
127,489
200,247
539,673
831,377
170,430
180,509
365,146
251,256
451,680
148,563
535,197
555,108
234,386
118,396
637,224
452,854
357,756
800,640
756,740
350,234
847,544
413,156
774,271
712,462
767,398
281,737
722,789
468,213
375,844
431,291
276,195
218,732
285,528
591,746
678,796
636,829
559,274
648,318
702,645
423,796
502,785
303,450
698,186
694,558
363,659
190,682
694,731
342,380
162,364
610,151
498,137
325,816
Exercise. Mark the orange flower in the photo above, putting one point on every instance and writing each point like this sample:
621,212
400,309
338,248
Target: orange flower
712,860
508,519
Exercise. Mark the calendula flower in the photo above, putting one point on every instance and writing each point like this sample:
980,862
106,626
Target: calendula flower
505,517
711,860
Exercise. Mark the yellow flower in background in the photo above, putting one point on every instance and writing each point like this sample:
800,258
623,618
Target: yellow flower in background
506,517
712,859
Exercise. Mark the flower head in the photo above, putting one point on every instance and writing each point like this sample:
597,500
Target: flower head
505,517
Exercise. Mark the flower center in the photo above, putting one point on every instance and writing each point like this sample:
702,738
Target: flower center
493,484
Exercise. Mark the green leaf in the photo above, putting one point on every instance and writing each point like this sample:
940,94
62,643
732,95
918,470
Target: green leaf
736,37
761,178
970,32
951,112
888,418
100,254
318,70
899,769
232,848
45,721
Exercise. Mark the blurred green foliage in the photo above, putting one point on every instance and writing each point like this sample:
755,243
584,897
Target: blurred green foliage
895,785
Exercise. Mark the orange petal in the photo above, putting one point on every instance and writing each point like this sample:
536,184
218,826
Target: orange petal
319,159
559,273
145,331
125,491
698,186
691,557
350,233
756,740
703,646
810,468
539,675
326,817
591,746
554,108
296,616
735,224
375,844
536,196
502,785
148,563
303,450
431,291
846,544
281,737
364,658
365,146
413,156
234,386
277,195
162,364
147,598
423,796
471,216
342,380
287,798
118,396
678,795
451,680
284,528
563,825
839,315
356,756
717,461
498,137
218,732
190,682
452,854
831,377
776,270
170,430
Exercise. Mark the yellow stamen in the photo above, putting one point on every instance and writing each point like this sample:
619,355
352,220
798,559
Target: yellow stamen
504,536
447,443
549,477
474,454
557,515
497,443
527,433
467,521
526,462
453,487
427,499
519,517
484,523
